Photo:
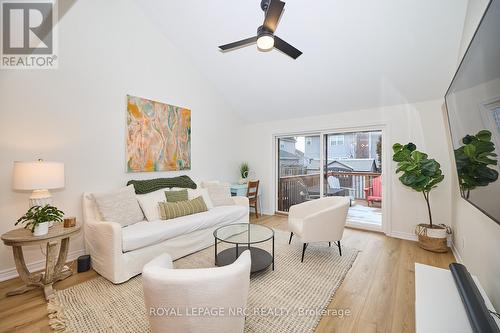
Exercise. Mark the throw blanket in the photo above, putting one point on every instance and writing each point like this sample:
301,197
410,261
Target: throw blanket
151,185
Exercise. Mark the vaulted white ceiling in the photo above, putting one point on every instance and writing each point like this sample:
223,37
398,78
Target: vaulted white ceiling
357,53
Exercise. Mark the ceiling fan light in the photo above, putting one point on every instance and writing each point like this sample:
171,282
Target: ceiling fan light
265,42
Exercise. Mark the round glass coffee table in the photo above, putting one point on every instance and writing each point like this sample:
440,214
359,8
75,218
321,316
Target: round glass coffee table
243,236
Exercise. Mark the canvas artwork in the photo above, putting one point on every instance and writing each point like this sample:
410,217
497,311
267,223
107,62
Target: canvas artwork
158,136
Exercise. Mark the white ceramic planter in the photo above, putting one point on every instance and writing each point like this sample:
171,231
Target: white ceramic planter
41,229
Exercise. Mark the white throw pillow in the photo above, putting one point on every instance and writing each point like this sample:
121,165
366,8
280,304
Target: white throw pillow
220,194
95,209
192,194
149,203
119,206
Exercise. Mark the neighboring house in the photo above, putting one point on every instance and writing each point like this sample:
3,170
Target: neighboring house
287,158
346,165
357,151
353,145
292,160
288,145
340,167
291,163
312,145
346,145
353,165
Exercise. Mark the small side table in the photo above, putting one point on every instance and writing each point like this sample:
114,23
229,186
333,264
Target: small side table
54,266
241,191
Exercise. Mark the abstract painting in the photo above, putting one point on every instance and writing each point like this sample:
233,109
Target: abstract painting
158,136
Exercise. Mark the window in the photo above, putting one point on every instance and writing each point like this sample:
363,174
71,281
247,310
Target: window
282,146
308,141
336,140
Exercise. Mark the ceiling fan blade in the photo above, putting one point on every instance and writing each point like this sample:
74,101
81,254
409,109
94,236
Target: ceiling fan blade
273,14
286,48
241,43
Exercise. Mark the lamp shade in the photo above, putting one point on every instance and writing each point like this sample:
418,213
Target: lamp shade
38,175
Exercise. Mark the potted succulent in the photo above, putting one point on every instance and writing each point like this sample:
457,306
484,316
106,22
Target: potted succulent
37,219
244,169
473,160
422,174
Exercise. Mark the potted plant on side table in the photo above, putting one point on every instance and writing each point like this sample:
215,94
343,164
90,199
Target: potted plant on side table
244,170
37,219
422,174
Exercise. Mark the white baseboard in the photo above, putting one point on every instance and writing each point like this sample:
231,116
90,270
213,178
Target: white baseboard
403,235
35,266
364,226
413,237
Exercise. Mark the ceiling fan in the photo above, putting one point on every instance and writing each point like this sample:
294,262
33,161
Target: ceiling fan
265,38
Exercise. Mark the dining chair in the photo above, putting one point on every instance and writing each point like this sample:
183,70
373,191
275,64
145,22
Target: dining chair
252,195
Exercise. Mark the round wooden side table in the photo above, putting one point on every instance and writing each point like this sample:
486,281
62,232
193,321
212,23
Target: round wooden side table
54,266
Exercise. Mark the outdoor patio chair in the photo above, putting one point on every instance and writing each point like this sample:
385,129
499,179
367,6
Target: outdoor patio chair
374,192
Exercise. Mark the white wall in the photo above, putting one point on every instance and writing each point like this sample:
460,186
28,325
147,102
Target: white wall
476,237
76,114
421,123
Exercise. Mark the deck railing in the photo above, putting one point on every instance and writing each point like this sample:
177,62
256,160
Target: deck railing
293,190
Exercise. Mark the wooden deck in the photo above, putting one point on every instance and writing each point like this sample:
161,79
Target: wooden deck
295,189
360,212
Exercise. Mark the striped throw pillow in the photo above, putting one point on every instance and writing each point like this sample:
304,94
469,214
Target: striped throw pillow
172,210
174,196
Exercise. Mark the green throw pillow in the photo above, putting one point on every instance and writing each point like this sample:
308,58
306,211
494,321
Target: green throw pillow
171,210
174,196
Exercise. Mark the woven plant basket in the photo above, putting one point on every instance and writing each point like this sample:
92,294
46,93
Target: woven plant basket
434,244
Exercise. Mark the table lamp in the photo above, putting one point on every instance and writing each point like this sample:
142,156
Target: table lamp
39,177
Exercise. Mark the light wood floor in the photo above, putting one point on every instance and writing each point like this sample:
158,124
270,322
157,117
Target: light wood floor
379,290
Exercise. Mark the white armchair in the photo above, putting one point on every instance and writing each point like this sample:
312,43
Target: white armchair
170,293
320,220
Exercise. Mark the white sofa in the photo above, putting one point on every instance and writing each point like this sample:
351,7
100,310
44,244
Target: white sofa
119,253
224,289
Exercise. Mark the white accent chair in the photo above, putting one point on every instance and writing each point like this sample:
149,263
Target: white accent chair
320,220
181,290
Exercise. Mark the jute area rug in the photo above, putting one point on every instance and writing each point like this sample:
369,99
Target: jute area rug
288,299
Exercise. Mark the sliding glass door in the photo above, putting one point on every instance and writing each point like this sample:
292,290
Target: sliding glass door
345,164
352,167
299,168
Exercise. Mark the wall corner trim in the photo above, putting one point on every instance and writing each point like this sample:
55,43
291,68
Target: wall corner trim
456,253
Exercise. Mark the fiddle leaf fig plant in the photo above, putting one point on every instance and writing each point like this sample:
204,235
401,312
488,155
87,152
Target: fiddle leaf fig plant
38,214
473,160
418,171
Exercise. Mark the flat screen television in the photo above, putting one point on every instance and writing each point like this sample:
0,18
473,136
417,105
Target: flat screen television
473,104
